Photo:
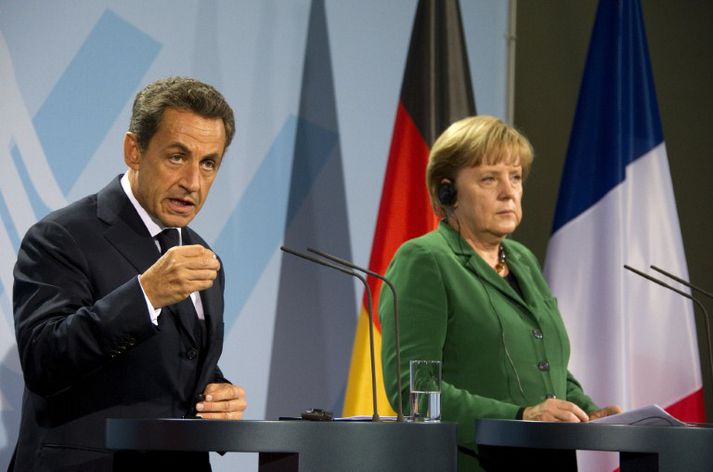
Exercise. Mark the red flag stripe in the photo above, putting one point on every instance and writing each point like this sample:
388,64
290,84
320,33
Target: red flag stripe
405,211
690,408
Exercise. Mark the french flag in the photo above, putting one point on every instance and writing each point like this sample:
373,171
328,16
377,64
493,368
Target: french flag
633,342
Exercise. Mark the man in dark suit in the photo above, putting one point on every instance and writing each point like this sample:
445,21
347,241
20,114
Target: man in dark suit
119,305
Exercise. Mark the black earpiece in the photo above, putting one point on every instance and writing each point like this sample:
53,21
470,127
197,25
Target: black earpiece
447,193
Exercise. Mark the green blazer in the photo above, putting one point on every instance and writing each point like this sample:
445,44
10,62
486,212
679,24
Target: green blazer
499,351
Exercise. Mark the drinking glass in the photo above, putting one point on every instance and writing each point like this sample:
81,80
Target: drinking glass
425,388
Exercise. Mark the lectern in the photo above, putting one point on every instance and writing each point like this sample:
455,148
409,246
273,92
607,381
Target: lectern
641,448
289,446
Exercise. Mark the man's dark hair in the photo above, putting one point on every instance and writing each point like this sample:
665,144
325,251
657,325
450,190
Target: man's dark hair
182,93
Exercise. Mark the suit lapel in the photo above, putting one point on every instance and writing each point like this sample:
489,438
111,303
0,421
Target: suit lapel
125,231
524,276
185,313
209,310
480,269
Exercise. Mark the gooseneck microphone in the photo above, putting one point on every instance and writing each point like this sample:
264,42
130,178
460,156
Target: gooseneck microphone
706,317
351,265
375,416
681,281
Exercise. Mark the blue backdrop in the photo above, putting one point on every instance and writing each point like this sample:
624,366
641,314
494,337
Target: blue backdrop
314,85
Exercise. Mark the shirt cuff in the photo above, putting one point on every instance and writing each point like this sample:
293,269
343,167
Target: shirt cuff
520,412
153,312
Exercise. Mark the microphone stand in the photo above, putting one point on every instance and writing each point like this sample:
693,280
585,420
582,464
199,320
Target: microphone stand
706,317
375,416
344,262
684,282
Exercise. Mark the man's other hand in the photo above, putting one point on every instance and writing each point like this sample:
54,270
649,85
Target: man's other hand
223,401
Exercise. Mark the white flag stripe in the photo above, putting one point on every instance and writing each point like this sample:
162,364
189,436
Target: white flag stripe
634,342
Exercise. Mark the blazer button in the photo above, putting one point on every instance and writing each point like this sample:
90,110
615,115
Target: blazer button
191,354
537,333
544,366
550,395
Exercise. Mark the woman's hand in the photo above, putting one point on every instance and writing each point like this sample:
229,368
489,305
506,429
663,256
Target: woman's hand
606,411
555,410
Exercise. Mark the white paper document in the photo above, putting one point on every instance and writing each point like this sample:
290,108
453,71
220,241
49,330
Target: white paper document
650,415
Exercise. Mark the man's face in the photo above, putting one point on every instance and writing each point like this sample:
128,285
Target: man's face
172,176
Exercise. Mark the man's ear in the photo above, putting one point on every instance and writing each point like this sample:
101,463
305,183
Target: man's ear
132,152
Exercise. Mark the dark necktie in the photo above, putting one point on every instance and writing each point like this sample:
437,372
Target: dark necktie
167,239
186,311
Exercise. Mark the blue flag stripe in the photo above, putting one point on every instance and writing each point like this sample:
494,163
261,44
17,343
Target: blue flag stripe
617,118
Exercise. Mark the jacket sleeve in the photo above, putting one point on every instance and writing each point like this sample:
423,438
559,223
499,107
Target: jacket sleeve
218,376
576,395
63,331
423,311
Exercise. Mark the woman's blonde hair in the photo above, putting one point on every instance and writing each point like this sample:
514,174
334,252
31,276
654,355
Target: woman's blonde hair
471,142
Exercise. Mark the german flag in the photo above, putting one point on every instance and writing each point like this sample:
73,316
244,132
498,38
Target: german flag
435,92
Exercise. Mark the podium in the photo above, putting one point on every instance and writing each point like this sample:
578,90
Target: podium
312,446
641,448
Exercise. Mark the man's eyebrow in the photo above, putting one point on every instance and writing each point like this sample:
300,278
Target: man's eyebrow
186,150
180,146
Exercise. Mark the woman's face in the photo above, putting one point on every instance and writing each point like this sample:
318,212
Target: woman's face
488,205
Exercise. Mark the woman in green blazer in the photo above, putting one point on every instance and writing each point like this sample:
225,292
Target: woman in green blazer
478,302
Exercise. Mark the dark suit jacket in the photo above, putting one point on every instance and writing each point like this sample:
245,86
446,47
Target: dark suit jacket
87,346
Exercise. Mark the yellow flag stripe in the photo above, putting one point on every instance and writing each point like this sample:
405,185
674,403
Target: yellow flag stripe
357,400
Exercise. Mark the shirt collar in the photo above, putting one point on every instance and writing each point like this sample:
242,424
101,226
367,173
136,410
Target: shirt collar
154,227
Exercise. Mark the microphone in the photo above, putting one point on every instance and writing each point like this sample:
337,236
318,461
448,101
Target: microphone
375,416
351,265
681,281
706,317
